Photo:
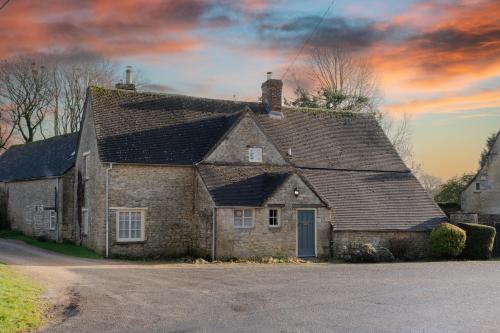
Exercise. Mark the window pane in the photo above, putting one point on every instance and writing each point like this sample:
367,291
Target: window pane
238,222
123,225
248,213
135,224
247,222
238,213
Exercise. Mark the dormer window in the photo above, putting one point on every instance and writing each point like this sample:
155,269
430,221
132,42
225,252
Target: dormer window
255,155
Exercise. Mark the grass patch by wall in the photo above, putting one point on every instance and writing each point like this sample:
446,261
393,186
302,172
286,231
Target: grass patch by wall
21,308
64,248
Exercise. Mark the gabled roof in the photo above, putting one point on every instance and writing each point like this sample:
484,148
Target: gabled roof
46,158
147,128
242,186
138,127
325,139
367,200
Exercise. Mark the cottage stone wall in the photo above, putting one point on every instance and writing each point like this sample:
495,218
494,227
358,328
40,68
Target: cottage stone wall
487,200
246,134
341,240
263,240
166,194
66,206
27,206
203,218
89,192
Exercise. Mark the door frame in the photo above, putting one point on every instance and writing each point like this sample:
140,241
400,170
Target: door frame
297,230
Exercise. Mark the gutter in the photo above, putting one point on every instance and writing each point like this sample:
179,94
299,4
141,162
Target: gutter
107,208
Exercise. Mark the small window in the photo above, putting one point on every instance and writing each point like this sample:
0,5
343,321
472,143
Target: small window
255,155
130,226
85,220
274,217
243,218
38,209
86,165
52,219
478,186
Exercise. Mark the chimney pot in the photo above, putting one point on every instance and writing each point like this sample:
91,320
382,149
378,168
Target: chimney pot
269,75
128,85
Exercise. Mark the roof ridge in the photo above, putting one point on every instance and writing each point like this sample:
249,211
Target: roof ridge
153,93
354,170
333,112
41,141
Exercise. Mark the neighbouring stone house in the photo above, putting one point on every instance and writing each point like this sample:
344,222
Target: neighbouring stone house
166,175
480,201
36,186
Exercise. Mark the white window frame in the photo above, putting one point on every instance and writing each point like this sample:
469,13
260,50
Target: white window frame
52,219
86,165
243,226
142,211
251,156
85,220
277,217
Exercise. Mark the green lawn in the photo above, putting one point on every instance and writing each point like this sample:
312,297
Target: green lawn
21,308
64,248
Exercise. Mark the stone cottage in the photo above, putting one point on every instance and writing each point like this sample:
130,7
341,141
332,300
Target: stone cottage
36,184
480,201
160,174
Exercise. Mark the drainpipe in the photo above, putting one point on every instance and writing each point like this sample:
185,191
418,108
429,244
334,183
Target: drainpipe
107,208
214,210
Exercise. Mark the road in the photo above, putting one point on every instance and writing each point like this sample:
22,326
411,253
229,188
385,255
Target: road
112,296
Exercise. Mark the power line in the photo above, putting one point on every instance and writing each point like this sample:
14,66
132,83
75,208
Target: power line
4,4
313,32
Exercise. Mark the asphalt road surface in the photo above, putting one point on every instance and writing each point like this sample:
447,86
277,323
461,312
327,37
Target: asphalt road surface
112,296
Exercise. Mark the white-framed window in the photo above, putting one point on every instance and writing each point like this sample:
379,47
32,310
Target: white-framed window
478,187
274,217
243,218
130,225
255,154
85,220
52,219
86,165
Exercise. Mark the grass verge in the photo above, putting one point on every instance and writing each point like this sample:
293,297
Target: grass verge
21,308
64,248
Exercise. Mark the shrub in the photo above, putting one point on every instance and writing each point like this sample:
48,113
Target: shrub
367,253
480,240
447,240
400,246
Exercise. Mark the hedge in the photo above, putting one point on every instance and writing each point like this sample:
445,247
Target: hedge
480,240
447,240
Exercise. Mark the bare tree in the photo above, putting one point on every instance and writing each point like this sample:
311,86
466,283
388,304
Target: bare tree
26,94
346,83
430,183
74,80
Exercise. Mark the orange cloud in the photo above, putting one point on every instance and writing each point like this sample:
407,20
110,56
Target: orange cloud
452,103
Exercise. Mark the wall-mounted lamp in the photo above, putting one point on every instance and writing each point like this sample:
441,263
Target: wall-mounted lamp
296,192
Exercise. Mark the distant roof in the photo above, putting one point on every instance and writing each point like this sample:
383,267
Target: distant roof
246,186
46,158
366,200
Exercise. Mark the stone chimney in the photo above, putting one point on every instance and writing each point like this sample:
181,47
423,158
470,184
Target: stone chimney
128,85
271,96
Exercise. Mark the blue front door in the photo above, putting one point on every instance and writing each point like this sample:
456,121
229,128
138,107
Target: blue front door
306,235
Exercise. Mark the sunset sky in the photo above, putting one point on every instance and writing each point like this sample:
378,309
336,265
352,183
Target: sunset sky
438,61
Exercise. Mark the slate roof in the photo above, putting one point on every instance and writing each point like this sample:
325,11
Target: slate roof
321,139
366,200
242,186
46,158
150,128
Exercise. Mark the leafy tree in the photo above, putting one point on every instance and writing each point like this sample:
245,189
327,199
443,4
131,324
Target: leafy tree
450,191
490,141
